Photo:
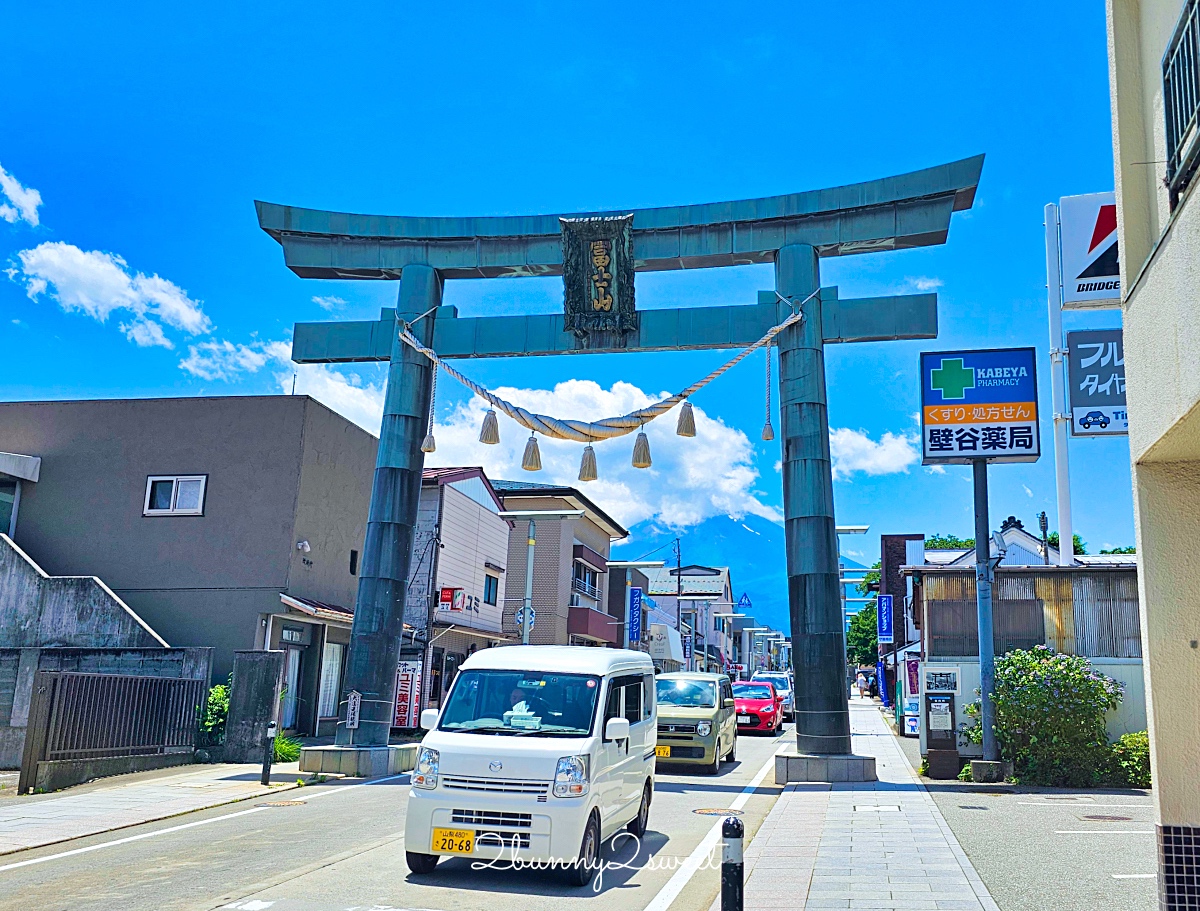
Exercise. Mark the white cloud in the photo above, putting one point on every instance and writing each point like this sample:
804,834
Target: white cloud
99,284
691,479
1028,492
329,303
854,451
223,360
24,200
936,469
924,283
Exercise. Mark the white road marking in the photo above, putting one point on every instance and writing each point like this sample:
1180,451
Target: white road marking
1135,876
662,901
1105,832
1062,806
180,828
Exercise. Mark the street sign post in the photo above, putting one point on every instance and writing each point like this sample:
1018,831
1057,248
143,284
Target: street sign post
1096,383
979,407
883,610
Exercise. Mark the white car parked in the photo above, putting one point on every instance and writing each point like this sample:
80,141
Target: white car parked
540,753
783,685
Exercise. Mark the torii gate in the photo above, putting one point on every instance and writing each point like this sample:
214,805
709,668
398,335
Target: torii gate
792,231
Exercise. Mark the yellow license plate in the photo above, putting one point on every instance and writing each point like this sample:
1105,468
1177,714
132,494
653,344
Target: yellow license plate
662,752
453,841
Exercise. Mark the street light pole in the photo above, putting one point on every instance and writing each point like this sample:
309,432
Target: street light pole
527,610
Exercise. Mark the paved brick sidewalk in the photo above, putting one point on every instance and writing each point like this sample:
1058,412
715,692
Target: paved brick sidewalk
36,820
880,845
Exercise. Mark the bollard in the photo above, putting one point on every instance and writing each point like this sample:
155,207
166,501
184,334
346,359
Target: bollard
268,754
732,866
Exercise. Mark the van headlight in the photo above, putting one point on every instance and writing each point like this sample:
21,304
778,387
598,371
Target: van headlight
425,775
704,728
571,777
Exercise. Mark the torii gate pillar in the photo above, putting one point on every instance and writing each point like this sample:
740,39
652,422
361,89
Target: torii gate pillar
818,639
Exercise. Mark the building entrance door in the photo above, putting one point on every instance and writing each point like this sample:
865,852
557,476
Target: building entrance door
291,693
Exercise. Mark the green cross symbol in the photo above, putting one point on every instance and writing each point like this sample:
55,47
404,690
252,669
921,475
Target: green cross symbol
952,379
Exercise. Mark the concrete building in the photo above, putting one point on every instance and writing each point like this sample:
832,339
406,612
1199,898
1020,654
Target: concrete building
1154,80
693,595
457,586
570,567
232,522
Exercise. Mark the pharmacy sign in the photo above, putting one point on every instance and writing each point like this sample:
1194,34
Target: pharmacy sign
979,405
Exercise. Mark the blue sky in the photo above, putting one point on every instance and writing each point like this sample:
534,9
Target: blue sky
149,130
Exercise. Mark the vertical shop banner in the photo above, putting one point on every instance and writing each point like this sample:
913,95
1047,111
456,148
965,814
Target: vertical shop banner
979,405
1096,383
883,613
408,694
635,615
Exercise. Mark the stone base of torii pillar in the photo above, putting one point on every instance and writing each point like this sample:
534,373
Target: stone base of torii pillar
792,766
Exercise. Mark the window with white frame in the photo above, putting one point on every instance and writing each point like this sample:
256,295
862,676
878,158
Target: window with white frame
175,495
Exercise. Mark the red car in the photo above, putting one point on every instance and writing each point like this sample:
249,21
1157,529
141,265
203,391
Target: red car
759,707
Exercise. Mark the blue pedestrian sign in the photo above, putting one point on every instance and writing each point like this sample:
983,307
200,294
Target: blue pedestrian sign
635,615
883,610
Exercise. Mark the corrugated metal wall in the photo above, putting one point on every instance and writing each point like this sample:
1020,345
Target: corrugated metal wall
1086,612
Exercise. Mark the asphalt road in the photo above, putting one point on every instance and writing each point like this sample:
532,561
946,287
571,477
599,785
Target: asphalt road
342,848
1042,848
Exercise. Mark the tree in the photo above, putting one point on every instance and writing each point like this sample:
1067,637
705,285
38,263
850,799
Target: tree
948,542
1120,550
862,639
870,578
1080,544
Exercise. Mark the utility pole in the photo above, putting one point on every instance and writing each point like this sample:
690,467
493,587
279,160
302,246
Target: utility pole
527,610
1062,420
983,602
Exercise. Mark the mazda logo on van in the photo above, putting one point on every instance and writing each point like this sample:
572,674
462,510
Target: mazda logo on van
495,765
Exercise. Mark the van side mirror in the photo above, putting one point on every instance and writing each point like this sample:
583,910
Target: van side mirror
429,719
616,729
730,703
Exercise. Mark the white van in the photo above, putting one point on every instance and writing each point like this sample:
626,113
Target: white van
540,754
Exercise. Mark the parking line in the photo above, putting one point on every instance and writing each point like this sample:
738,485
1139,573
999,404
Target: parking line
187,825
662,901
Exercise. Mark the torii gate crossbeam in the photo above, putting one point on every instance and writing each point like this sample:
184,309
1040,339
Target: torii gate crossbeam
793,232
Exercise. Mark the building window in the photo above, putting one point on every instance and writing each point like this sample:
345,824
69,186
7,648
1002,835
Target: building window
175,495
331,680
354,562
9,497
586,580
491,589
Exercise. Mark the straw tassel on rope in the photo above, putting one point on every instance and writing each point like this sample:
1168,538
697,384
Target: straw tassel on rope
490,432
768,431
641,451
429,444
686,426
532,460
587,467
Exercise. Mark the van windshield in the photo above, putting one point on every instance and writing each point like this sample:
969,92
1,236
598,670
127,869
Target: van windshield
698,694
779,680
527,703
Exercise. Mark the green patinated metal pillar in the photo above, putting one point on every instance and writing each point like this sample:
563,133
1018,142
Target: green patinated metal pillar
387,552
818,636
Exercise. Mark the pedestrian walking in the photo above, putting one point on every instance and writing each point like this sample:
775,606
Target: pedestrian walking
861,683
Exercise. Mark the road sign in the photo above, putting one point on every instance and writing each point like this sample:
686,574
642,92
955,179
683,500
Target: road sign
1096,383
353,709
635,615
979,405
521,617
1091,274
884,613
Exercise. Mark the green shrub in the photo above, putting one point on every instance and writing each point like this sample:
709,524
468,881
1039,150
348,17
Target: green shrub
1050,712
964,774
1131,760
216,711
286,749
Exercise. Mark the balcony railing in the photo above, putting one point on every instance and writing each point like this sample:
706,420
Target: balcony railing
590,590
1181,101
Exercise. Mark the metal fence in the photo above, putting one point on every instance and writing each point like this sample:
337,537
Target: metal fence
1181,100
76,716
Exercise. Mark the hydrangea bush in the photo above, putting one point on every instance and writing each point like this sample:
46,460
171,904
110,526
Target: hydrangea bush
1050,712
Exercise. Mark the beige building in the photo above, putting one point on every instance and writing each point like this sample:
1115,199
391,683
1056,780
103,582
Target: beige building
570,567
1154,73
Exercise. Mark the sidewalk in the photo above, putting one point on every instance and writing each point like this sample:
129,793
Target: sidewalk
129,800
875,845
